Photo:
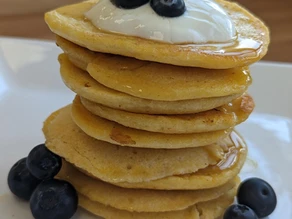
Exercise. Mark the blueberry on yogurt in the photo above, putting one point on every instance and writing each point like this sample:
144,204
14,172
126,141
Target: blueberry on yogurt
129,4
168,8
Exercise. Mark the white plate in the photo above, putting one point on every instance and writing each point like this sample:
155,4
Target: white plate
31,88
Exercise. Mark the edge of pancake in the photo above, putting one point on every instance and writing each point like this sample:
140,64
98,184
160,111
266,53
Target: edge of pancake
51,118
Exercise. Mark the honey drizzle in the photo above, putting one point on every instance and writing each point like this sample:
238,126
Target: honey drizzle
234,145
231,156
238,47
234,106
240,108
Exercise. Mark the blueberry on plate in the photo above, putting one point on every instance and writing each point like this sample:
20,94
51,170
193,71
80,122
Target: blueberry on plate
129,4
258,195
42,163
239,212
54,199
168,8
20,181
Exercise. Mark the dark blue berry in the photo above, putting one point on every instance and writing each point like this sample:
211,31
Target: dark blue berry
168,8
129,4
258,195
20,181
239,212
54,199
42,163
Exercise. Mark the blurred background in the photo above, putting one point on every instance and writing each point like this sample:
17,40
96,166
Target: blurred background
24,18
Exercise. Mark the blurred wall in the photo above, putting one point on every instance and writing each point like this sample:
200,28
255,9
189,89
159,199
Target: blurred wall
24,18
277,14
13,7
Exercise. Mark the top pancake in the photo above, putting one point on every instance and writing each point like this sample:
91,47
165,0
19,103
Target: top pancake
70,23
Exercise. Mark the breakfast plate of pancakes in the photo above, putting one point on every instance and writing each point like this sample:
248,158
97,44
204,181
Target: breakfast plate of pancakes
132,125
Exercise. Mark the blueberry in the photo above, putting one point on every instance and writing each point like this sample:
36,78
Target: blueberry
168,8
42,163
258,195
129,4
239,212
54,199
20,181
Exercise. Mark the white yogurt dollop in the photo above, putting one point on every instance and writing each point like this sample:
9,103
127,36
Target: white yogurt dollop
203,22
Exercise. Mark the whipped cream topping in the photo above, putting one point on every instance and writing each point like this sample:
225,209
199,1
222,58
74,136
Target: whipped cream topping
204,21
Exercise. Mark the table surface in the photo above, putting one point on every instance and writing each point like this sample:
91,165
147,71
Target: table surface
26,20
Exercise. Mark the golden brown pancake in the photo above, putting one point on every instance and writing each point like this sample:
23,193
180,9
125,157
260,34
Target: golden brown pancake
137,167
220,118
112,132
70,23
138,200
81,83
204,210
122,163
155,81
209,177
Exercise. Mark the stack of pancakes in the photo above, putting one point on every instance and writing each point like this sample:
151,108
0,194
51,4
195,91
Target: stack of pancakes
145,139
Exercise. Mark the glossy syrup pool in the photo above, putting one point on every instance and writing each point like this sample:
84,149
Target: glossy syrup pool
241,107
234,148
239,46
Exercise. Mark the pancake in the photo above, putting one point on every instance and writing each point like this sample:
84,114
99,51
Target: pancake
155,81
117,163
207,178
81,83
137,167
205,210
220,118
138,200
115,133
70,23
